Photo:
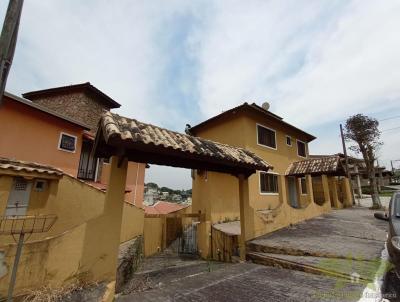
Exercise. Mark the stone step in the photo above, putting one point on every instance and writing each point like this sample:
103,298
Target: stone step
262,248
350,269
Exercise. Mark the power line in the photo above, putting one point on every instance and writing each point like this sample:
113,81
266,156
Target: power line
389,118
390,129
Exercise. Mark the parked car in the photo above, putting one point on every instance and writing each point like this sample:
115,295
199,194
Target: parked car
393,241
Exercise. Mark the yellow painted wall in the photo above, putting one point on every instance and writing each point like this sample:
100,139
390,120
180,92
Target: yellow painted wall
132,222
217,194
76,246
134,181
154,233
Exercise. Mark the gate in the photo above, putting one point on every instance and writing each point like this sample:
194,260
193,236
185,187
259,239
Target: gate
188,239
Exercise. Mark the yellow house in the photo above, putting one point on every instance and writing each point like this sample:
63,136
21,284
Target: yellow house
297,187
78,246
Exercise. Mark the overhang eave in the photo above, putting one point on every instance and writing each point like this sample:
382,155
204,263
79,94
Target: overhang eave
159,155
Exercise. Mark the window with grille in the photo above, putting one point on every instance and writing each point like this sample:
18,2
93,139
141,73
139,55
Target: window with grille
303,185
67,142
268,183
301,149
20,184
266,137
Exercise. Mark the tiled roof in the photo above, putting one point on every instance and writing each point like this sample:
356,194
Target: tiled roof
330,165
63,89
164,207
254,108
135,137
28,167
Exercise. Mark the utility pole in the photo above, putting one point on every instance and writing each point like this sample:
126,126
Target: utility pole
347,163
8,41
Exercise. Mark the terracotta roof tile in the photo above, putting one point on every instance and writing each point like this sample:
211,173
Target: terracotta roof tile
130,134
30,167
164,207
331,165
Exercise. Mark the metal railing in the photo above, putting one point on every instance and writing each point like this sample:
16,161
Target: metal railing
22,225
26,224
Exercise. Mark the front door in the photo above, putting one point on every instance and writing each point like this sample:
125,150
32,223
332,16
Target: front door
18,200
292,192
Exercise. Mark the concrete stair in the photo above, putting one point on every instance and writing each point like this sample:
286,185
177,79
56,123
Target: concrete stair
298,260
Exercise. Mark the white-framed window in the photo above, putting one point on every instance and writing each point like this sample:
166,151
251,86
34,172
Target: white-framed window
288,140
67,142
268,183
266,137
301,148
303,186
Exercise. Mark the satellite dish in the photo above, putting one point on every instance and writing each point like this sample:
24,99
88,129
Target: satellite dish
265,106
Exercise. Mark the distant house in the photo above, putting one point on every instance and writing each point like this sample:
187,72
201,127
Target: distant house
176,197
164,207
359,175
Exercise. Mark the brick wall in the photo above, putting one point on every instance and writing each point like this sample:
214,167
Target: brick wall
77,105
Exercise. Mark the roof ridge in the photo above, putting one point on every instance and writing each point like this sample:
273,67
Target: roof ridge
176,132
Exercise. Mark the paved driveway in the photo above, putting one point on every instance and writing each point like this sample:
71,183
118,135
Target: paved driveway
329,258
247,282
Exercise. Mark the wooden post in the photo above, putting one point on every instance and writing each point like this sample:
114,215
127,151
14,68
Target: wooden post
310,191
244,204
325,186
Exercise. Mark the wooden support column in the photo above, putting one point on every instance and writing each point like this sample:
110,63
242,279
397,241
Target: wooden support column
325,186
348,199
244,205
310,191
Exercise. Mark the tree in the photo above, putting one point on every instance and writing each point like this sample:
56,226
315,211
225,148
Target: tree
363,130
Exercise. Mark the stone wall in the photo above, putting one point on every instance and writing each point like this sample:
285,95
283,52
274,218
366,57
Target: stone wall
76,105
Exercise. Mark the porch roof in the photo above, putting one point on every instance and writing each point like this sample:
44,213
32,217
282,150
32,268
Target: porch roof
24,168
147,143
329,165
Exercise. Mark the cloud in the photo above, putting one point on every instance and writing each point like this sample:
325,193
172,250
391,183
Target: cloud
332,59
316,62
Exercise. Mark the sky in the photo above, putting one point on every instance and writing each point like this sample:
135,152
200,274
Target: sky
176,62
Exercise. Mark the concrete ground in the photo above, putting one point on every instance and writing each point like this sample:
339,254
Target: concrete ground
367,201
245,282
330,258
